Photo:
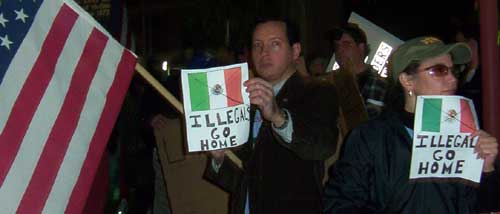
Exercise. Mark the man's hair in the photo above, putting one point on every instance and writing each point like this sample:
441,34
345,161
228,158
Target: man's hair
355,32
292,30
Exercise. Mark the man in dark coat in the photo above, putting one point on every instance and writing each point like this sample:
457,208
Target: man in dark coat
294,129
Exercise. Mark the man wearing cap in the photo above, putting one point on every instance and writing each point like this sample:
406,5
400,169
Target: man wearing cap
351,49
373,174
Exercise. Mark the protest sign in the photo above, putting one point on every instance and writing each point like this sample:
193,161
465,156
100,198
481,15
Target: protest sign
216,106
442,146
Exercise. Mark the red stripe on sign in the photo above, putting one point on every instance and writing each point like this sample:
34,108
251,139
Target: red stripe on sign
114,100
467,123
65,125
232,78
33,89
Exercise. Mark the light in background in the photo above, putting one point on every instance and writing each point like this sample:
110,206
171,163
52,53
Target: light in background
165,67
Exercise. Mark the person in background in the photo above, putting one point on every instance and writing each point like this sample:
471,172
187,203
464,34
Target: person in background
351,49
372,175
316,65
301,67
293,130
470,79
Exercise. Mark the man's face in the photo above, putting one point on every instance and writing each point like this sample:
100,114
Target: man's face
271,53
347,49
317,67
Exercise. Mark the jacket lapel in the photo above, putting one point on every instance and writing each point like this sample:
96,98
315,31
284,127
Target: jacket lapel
289,90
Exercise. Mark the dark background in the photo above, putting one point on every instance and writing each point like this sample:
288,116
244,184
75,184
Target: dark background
165,25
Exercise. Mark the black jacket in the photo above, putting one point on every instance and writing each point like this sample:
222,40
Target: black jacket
372,177
286,177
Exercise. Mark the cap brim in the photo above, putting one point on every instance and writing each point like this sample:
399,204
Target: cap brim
460,53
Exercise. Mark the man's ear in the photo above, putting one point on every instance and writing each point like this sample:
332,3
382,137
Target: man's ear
362,47
296,48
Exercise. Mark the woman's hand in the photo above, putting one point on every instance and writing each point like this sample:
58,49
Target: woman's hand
487,149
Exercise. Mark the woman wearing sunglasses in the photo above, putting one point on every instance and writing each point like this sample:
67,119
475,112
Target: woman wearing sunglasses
372,175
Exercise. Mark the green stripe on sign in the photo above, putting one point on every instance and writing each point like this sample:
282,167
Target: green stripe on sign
431,118
198,91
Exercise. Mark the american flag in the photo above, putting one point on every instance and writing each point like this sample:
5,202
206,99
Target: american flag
62,81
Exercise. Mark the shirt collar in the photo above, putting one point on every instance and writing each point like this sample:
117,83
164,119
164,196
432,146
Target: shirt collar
278,86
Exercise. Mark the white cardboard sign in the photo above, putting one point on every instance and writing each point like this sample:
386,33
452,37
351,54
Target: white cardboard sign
442,146
216,106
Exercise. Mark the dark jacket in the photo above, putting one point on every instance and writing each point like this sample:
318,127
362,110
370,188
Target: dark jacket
282,177
372,177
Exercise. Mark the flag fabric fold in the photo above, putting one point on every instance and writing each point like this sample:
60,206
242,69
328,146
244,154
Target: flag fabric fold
62,81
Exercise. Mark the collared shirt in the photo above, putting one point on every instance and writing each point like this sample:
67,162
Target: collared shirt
372,88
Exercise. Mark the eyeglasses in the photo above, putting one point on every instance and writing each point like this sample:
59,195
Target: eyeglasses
441,70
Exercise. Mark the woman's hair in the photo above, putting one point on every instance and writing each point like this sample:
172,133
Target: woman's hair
395,95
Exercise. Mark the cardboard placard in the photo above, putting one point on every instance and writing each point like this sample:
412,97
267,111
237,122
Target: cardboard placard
216,106
442,146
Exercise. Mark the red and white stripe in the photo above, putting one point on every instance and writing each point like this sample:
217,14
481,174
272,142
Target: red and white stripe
233,81
59,101
467,119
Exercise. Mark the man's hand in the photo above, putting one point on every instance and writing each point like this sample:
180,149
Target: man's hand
218,155
158,122
487,149
262,95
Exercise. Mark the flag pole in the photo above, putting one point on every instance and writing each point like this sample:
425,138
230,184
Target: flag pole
176,103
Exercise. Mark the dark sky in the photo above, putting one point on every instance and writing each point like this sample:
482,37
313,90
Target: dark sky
179,23
407,19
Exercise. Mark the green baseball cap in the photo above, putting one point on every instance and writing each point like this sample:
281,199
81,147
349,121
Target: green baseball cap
422,48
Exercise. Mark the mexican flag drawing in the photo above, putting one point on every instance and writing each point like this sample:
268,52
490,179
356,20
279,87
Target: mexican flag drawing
216,89
442,146
448,115
217,107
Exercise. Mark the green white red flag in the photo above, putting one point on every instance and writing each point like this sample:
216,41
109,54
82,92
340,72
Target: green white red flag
442,147
448,115
216,106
